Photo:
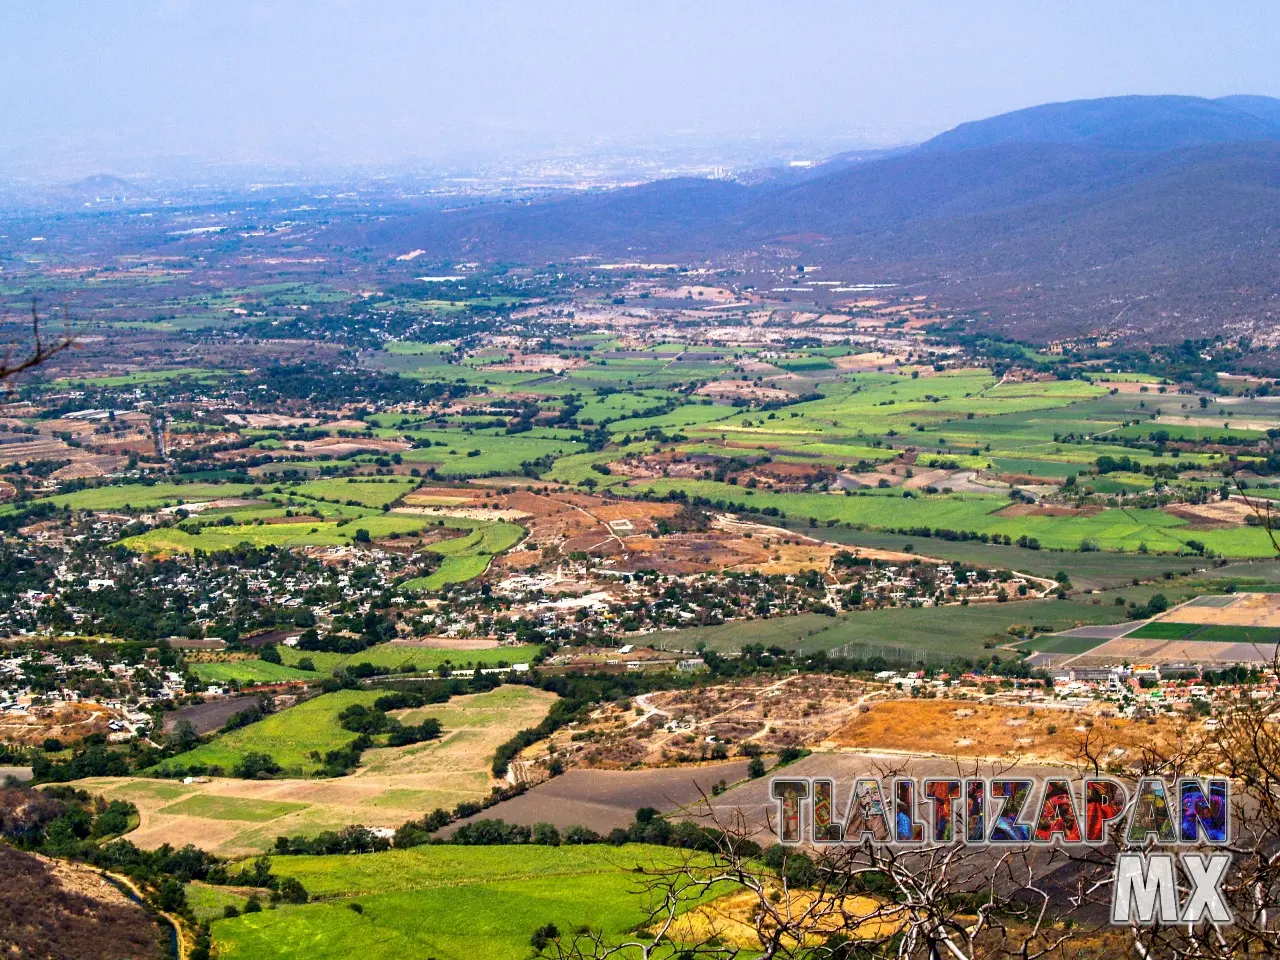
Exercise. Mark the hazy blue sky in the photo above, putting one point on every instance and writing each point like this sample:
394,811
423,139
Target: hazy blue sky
108,85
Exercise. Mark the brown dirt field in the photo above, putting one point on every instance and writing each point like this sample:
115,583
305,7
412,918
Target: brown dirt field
740,388
468,513
1233,512
788,471
892,556
392,785
573,522
797,711
927,478
965,729
1127,387
868,361
94,465
69,722
604,799
340,445
210,716
427,497
534,362
1245,610
1178,651
447,643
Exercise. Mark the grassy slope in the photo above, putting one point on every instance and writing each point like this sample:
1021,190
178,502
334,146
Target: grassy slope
288,736
451,903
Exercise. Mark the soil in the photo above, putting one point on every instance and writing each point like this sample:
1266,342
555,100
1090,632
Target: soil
967,729
70,912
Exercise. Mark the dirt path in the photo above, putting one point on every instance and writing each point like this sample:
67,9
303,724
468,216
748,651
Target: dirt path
649,710
128,884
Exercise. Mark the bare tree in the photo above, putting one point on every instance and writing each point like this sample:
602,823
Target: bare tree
952,901
16,362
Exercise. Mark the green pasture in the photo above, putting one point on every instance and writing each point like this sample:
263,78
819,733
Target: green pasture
142,377
373,492
1064,645
290,736
303,533
393,656
934,633
1121,529
468,556
141,496
248,672
446,902
212,807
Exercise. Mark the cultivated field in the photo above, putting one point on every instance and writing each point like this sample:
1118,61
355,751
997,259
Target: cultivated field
451,903
393,785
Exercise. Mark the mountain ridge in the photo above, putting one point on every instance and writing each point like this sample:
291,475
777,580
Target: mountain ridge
1171,203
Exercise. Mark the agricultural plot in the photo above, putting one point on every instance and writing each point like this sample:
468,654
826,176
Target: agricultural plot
1092,570
481,455
304,533
467,557
1119,528
399,655
141,496
411,902
142,377
290,737
1064,644
954,728
366,492
235,817
932,634
248,672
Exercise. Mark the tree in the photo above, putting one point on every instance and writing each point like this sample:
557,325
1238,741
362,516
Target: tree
40,350
182,737
256,766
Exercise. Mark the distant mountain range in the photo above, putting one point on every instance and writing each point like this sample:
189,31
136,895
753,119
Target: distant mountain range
1152,216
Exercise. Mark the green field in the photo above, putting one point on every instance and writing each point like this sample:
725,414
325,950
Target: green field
451,903
208,902
213,807
142,377
397,656
305,533
467,557
365,491
142,496
1120,529
1094,570
930,633
485,453
1066,645
289,736
248,672
1165,630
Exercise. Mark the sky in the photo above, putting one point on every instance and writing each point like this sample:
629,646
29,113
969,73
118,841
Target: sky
129,85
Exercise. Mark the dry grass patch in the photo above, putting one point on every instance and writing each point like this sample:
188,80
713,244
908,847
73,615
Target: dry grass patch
955,728
393,784
732,919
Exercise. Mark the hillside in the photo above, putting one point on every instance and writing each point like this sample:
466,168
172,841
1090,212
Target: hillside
1162,211
54,908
